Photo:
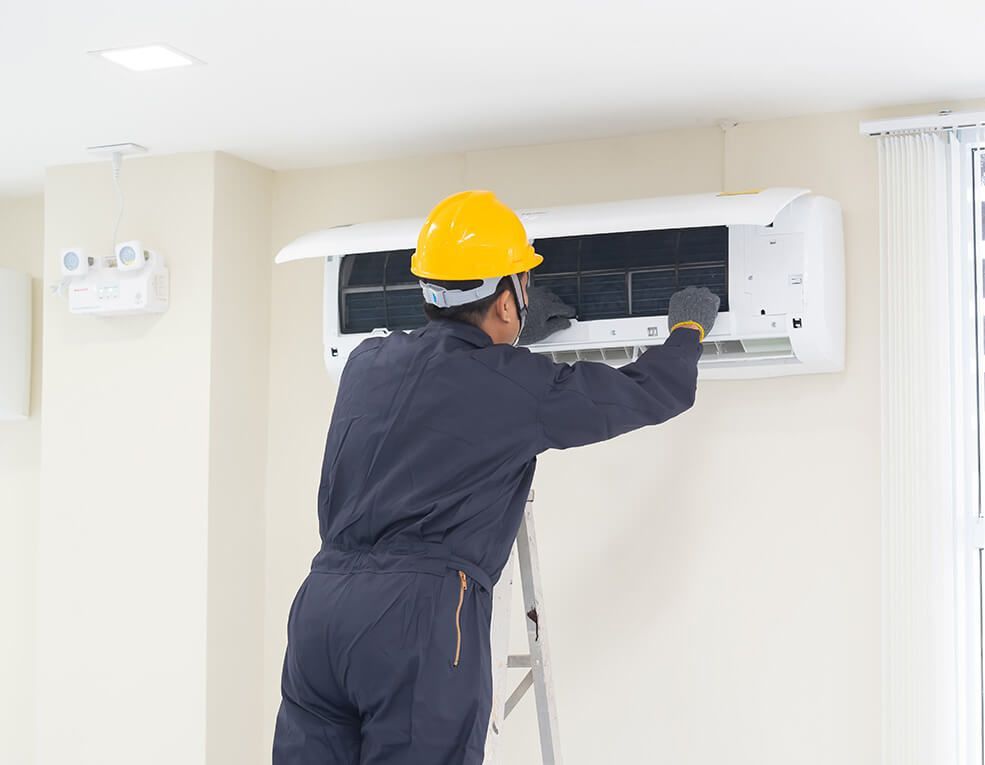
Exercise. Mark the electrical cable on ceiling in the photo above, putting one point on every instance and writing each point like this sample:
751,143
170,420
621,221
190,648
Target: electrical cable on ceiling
117,167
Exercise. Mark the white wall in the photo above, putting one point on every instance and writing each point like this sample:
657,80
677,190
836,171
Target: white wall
21,248
713,584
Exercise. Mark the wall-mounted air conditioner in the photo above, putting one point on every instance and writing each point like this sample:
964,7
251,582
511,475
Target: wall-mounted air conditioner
775,257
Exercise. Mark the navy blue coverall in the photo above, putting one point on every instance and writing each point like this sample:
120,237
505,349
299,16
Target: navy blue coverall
430,457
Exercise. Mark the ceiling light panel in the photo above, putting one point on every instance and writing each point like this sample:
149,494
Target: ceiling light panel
146,58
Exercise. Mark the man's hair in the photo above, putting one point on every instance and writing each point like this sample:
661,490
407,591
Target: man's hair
470,313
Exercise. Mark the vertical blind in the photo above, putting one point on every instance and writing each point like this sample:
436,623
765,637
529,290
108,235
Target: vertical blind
929,448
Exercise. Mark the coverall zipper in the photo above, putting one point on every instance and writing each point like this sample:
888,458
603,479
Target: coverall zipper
458,616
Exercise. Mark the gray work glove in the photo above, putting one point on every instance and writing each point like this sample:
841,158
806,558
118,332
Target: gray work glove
697,304
546,314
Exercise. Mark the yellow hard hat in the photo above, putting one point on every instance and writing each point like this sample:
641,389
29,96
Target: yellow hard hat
472,235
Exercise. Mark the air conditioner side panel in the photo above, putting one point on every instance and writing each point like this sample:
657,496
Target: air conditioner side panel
765,280
820,342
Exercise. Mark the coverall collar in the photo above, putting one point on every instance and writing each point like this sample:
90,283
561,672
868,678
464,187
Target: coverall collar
468,332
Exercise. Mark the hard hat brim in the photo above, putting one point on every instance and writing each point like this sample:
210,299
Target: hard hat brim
464,273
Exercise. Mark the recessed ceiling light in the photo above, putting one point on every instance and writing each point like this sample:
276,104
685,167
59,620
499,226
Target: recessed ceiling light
144,58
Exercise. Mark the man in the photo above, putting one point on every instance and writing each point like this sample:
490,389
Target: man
430,457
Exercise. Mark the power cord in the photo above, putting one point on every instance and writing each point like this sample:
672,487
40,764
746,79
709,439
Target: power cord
117,167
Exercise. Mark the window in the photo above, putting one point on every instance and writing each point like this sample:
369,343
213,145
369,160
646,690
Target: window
933,441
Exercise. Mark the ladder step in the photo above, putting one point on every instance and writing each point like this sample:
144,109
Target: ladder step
522,661
524,686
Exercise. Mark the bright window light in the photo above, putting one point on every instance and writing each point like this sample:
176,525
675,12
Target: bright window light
147,57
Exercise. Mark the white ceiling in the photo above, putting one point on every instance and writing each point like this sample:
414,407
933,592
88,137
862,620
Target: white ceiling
295,84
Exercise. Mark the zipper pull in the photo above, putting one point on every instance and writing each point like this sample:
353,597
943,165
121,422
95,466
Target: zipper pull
458,617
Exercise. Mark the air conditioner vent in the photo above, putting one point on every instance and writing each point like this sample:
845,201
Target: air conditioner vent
615,356
724,348
769,350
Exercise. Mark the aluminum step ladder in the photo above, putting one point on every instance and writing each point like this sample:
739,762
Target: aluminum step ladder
537,661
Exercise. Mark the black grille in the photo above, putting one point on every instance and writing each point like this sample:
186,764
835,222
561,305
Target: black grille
610,276
604,276
378,291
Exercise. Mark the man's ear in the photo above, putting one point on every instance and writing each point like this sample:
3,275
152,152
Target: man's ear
502,305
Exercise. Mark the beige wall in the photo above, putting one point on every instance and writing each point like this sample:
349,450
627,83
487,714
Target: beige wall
713,584
237,460
125,460
301,395
21,248
153,446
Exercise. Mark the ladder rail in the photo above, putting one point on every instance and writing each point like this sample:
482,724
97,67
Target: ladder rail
536,621
500,643
525,561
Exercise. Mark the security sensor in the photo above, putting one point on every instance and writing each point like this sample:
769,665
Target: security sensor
131,256
74,262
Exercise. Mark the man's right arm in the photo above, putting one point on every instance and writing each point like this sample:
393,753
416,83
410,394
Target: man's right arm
588,402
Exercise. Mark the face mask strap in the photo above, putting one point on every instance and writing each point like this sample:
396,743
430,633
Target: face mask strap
521,305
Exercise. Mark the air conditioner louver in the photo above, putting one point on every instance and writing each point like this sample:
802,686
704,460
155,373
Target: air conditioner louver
753,352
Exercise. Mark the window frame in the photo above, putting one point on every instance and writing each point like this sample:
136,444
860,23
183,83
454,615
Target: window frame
975,616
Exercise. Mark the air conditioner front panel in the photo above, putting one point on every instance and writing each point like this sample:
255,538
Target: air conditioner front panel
350,238
754,208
